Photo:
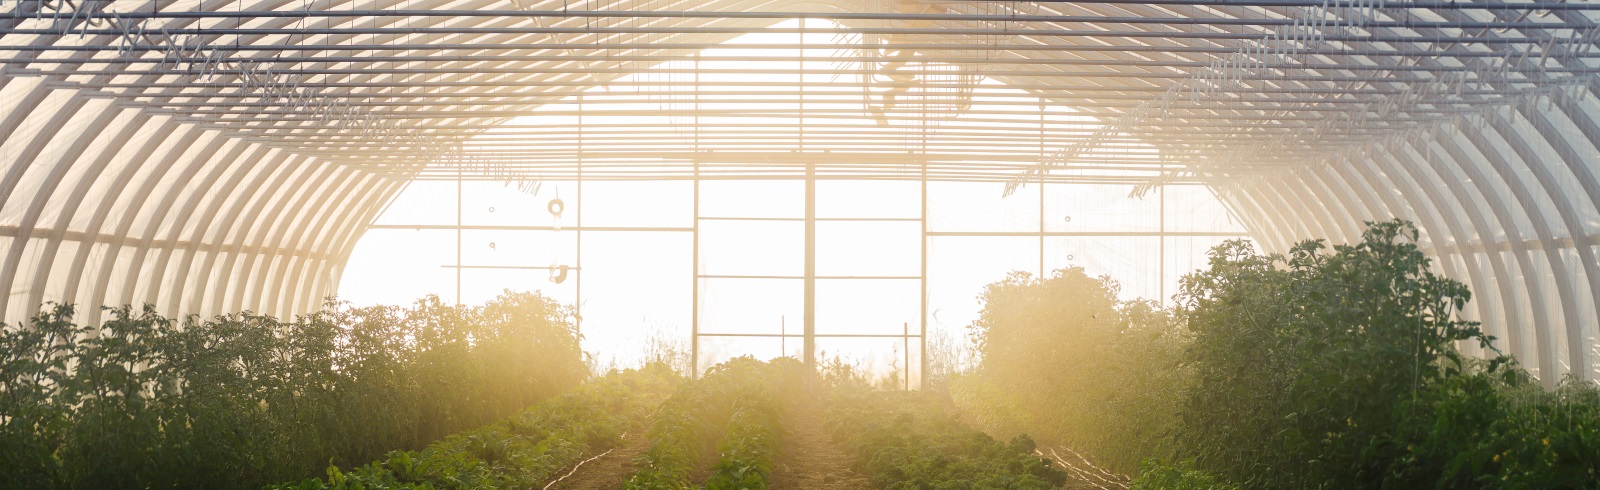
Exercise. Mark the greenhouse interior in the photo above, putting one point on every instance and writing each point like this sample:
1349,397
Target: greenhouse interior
828,244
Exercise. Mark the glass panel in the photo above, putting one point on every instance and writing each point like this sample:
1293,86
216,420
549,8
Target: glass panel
1590,319
979,206
11,152
427,202
1193,208
632,293
498,204
869,248
765,306
869,199
1522,318
762,248
668,203
302,179
111,184
1131,261
396,267
1098,208
220,192
753,198
960,267
868,306
16,302
513,248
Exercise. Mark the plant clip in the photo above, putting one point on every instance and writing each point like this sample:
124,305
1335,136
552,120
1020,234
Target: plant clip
558,274
556,207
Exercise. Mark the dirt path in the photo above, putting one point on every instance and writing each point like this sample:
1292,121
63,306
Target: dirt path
808,459
610,471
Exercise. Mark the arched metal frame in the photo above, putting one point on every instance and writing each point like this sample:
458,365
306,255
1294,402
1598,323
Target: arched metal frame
129,178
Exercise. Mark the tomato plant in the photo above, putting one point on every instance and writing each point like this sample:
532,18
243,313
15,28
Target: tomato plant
242,400
1062,358
1340,369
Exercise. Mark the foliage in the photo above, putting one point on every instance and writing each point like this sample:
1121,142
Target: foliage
524,451
1341,370
1064,359
1489,431
1325,368
906,440
241,400
749,449
744,392
1301,362
1155,475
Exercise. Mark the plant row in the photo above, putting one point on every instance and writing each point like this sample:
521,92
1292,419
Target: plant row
525,451
243,400
907,440
737,406
1328,367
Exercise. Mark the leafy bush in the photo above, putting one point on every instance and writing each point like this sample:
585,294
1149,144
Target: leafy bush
1319,369
1155,475
1340,371
1064,359
740,398
1301,362
524,451
1486,431
241,400
905,440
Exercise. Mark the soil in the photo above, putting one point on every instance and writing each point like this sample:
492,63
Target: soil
610,471
808,459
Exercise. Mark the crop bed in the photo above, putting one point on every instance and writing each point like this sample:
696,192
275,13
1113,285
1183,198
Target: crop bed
723,431
908,440
524,451
737,405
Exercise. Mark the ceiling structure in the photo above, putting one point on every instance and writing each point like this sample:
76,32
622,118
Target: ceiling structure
218,155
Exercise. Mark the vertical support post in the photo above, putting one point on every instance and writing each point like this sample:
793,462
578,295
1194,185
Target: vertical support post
811,266
694,276
810,329
922,360
577,230
1041,189
459,268
694,266
1161,268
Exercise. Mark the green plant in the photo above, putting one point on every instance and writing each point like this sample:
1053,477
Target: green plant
241,400
1064,359
738,402
749,450
1301,361
905,440
524,451
1155,475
